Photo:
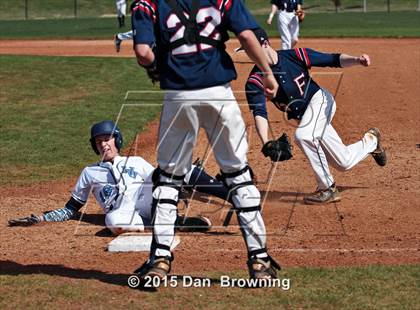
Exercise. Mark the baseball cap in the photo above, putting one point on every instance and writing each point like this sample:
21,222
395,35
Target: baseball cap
261,37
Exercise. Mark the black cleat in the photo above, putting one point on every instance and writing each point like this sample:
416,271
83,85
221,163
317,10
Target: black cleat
379,154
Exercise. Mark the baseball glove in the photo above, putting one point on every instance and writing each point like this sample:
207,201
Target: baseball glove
301,15
278,150
25,221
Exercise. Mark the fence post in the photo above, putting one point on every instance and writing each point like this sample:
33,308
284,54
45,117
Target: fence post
418,6
75,8
364,6
26,9
389,5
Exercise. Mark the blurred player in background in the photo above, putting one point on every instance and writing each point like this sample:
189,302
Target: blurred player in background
122,36
287,21
121,6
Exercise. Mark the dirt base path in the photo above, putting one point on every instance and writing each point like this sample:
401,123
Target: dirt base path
377,221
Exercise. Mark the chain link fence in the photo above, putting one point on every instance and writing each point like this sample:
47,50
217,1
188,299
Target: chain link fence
39,9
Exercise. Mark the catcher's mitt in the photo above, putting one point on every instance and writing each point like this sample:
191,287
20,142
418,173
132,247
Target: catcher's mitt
25,221
301,15
278,150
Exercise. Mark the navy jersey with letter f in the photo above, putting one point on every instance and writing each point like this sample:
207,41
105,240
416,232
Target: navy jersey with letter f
191,66
296,87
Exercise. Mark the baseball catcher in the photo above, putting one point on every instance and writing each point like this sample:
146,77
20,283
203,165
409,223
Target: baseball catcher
195,73
122,185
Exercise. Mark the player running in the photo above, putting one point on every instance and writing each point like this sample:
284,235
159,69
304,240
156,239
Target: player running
121,6
287,20
193,68
122,36
314,108
122,186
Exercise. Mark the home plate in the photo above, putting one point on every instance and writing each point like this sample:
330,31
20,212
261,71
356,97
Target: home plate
135,242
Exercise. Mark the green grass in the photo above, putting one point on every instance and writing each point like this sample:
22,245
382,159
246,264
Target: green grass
373,287
12,9
373,24
48,105
85,28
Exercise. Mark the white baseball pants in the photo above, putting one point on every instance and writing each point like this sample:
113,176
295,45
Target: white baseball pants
321,143
215,109
288,27
121,7
132,210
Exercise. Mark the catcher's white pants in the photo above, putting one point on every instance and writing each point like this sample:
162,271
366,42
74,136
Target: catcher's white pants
121,7
215,109
321,143
288,27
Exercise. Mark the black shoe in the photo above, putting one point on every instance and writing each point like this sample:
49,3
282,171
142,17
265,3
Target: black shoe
378,154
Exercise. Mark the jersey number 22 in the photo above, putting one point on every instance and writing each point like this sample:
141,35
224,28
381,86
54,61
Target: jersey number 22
209,16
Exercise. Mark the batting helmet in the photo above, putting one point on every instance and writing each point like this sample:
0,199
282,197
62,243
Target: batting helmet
105,128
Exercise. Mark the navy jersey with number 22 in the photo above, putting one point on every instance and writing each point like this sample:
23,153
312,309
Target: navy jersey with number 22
191,66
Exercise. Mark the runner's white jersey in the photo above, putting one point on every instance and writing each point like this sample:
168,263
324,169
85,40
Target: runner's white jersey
126,183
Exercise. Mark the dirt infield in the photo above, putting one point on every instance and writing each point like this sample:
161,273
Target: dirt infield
377,221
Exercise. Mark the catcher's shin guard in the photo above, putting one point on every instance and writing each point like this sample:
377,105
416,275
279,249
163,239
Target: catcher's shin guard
246,200
164,210
262,267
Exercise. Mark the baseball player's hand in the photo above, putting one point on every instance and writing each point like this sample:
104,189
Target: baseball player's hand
269,20
270,85
278,150
25,221
153,72
300,14
364,60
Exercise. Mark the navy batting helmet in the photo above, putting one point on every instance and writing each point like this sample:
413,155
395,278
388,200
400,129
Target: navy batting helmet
105,128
